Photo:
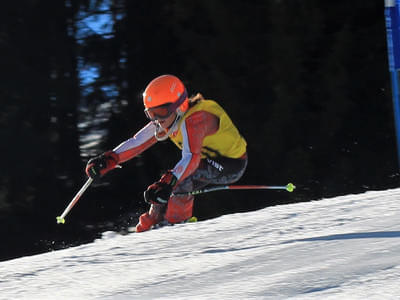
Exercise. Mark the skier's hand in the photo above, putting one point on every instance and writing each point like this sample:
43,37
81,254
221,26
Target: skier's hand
100,165
160,191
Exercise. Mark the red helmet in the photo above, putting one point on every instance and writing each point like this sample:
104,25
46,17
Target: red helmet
163,96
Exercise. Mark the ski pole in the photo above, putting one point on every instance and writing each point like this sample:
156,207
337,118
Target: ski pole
289,187
61,219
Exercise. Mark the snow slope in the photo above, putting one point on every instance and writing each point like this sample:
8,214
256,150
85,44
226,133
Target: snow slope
341,248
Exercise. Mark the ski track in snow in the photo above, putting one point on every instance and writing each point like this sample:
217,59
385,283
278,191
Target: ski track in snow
346,247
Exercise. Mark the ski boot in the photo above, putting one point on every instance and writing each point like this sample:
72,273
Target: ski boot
150,218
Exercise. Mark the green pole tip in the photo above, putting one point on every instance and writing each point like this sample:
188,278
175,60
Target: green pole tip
60,220
192,219
290,187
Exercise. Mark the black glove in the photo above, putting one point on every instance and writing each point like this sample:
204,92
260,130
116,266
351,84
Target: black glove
100,165
160,191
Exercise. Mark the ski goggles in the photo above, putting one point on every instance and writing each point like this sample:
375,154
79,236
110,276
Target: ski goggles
162,112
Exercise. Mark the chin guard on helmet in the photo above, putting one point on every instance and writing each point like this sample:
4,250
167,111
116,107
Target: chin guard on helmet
162,134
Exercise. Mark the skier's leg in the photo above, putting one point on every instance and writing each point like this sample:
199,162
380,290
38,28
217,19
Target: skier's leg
222,171
219,170
180,208
229,170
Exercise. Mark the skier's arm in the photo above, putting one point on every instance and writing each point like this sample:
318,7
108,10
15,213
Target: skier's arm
195,128
132,147
102,164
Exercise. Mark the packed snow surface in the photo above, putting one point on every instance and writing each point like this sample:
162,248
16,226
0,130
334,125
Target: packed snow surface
341,248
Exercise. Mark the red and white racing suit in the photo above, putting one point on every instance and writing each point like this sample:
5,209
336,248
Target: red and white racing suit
213,152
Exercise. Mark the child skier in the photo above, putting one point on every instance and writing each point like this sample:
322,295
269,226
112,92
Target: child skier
213,151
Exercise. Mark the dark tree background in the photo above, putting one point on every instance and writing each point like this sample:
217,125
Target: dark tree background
306,82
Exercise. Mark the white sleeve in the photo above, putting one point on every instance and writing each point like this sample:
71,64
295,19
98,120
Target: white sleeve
140,138
183,164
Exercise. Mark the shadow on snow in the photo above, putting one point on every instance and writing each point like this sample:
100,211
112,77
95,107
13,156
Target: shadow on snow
348,236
